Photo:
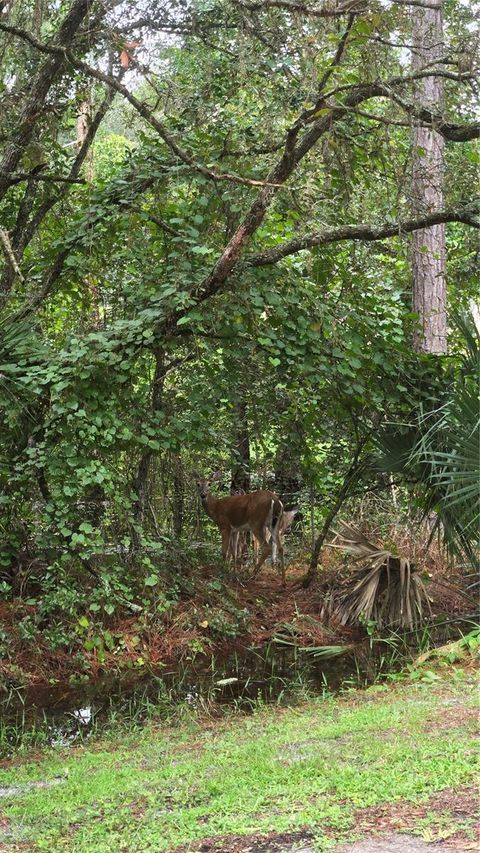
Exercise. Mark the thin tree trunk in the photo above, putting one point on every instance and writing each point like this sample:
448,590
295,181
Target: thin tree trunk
141,480
178,496
349,479
241,467
37,17
84,121
429,284
288,474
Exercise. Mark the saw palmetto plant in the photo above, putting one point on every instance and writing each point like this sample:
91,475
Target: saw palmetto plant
20,350
383,587
439,450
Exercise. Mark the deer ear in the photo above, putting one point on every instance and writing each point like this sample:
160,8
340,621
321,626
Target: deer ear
195,475
218,475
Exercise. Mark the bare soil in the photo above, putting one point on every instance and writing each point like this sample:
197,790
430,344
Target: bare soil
202,621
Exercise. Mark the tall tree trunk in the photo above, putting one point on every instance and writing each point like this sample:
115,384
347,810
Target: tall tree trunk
288,473
178,495
241,465
429,285
141,480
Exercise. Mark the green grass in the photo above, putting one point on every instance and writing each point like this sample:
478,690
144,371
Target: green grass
279,769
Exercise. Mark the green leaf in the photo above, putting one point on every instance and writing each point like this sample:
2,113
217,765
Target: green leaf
201,250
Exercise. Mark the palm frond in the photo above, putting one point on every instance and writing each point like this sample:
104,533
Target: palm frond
386,589
440,451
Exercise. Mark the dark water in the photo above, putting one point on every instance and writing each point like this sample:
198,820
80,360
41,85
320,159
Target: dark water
65,713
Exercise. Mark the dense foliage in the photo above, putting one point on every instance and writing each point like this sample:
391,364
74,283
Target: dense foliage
208,207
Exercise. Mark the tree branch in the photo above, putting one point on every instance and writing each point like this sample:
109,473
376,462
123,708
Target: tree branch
19,177
467,215
39,90
7,248
326,11
140,107
25,229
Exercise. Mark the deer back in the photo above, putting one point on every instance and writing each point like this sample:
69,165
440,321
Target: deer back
248,510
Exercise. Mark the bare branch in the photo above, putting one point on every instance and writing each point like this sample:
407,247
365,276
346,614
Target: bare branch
326,11
18,177
160,222
467,215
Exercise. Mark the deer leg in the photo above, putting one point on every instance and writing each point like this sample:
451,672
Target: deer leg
255,548
278,546
234,542
264,549
226,539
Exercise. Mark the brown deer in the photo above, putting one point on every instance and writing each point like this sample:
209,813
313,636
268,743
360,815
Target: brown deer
284,523
260,512
237,547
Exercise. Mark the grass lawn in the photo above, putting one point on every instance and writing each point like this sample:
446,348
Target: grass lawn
317,767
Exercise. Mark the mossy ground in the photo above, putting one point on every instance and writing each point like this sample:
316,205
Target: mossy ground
314,767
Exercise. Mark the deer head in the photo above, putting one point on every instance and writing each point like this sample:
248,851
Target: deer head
204,483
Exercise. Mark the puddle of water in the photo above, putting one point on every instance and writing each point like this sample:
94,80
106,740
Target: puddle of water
18,790
67,712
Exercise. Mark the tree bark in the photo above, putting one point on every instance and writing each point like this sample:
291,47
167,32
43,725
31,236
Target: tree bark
141,480
178,495
429,283
241,466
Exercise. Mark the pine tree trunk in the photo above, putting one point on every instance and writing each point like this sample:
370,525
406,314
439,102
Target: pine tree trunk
429,284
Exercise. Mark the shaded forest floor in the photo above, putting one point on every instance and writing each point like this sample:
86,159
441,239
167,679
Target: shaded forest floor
217,616
372,764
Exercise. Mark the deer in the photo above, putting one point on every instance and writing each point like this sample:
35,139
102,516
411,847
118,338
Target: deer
237,546
284,523
260,512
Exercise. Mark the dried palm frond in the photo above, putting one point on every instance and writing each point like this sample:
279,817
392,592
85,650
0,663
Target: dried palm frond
386,589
